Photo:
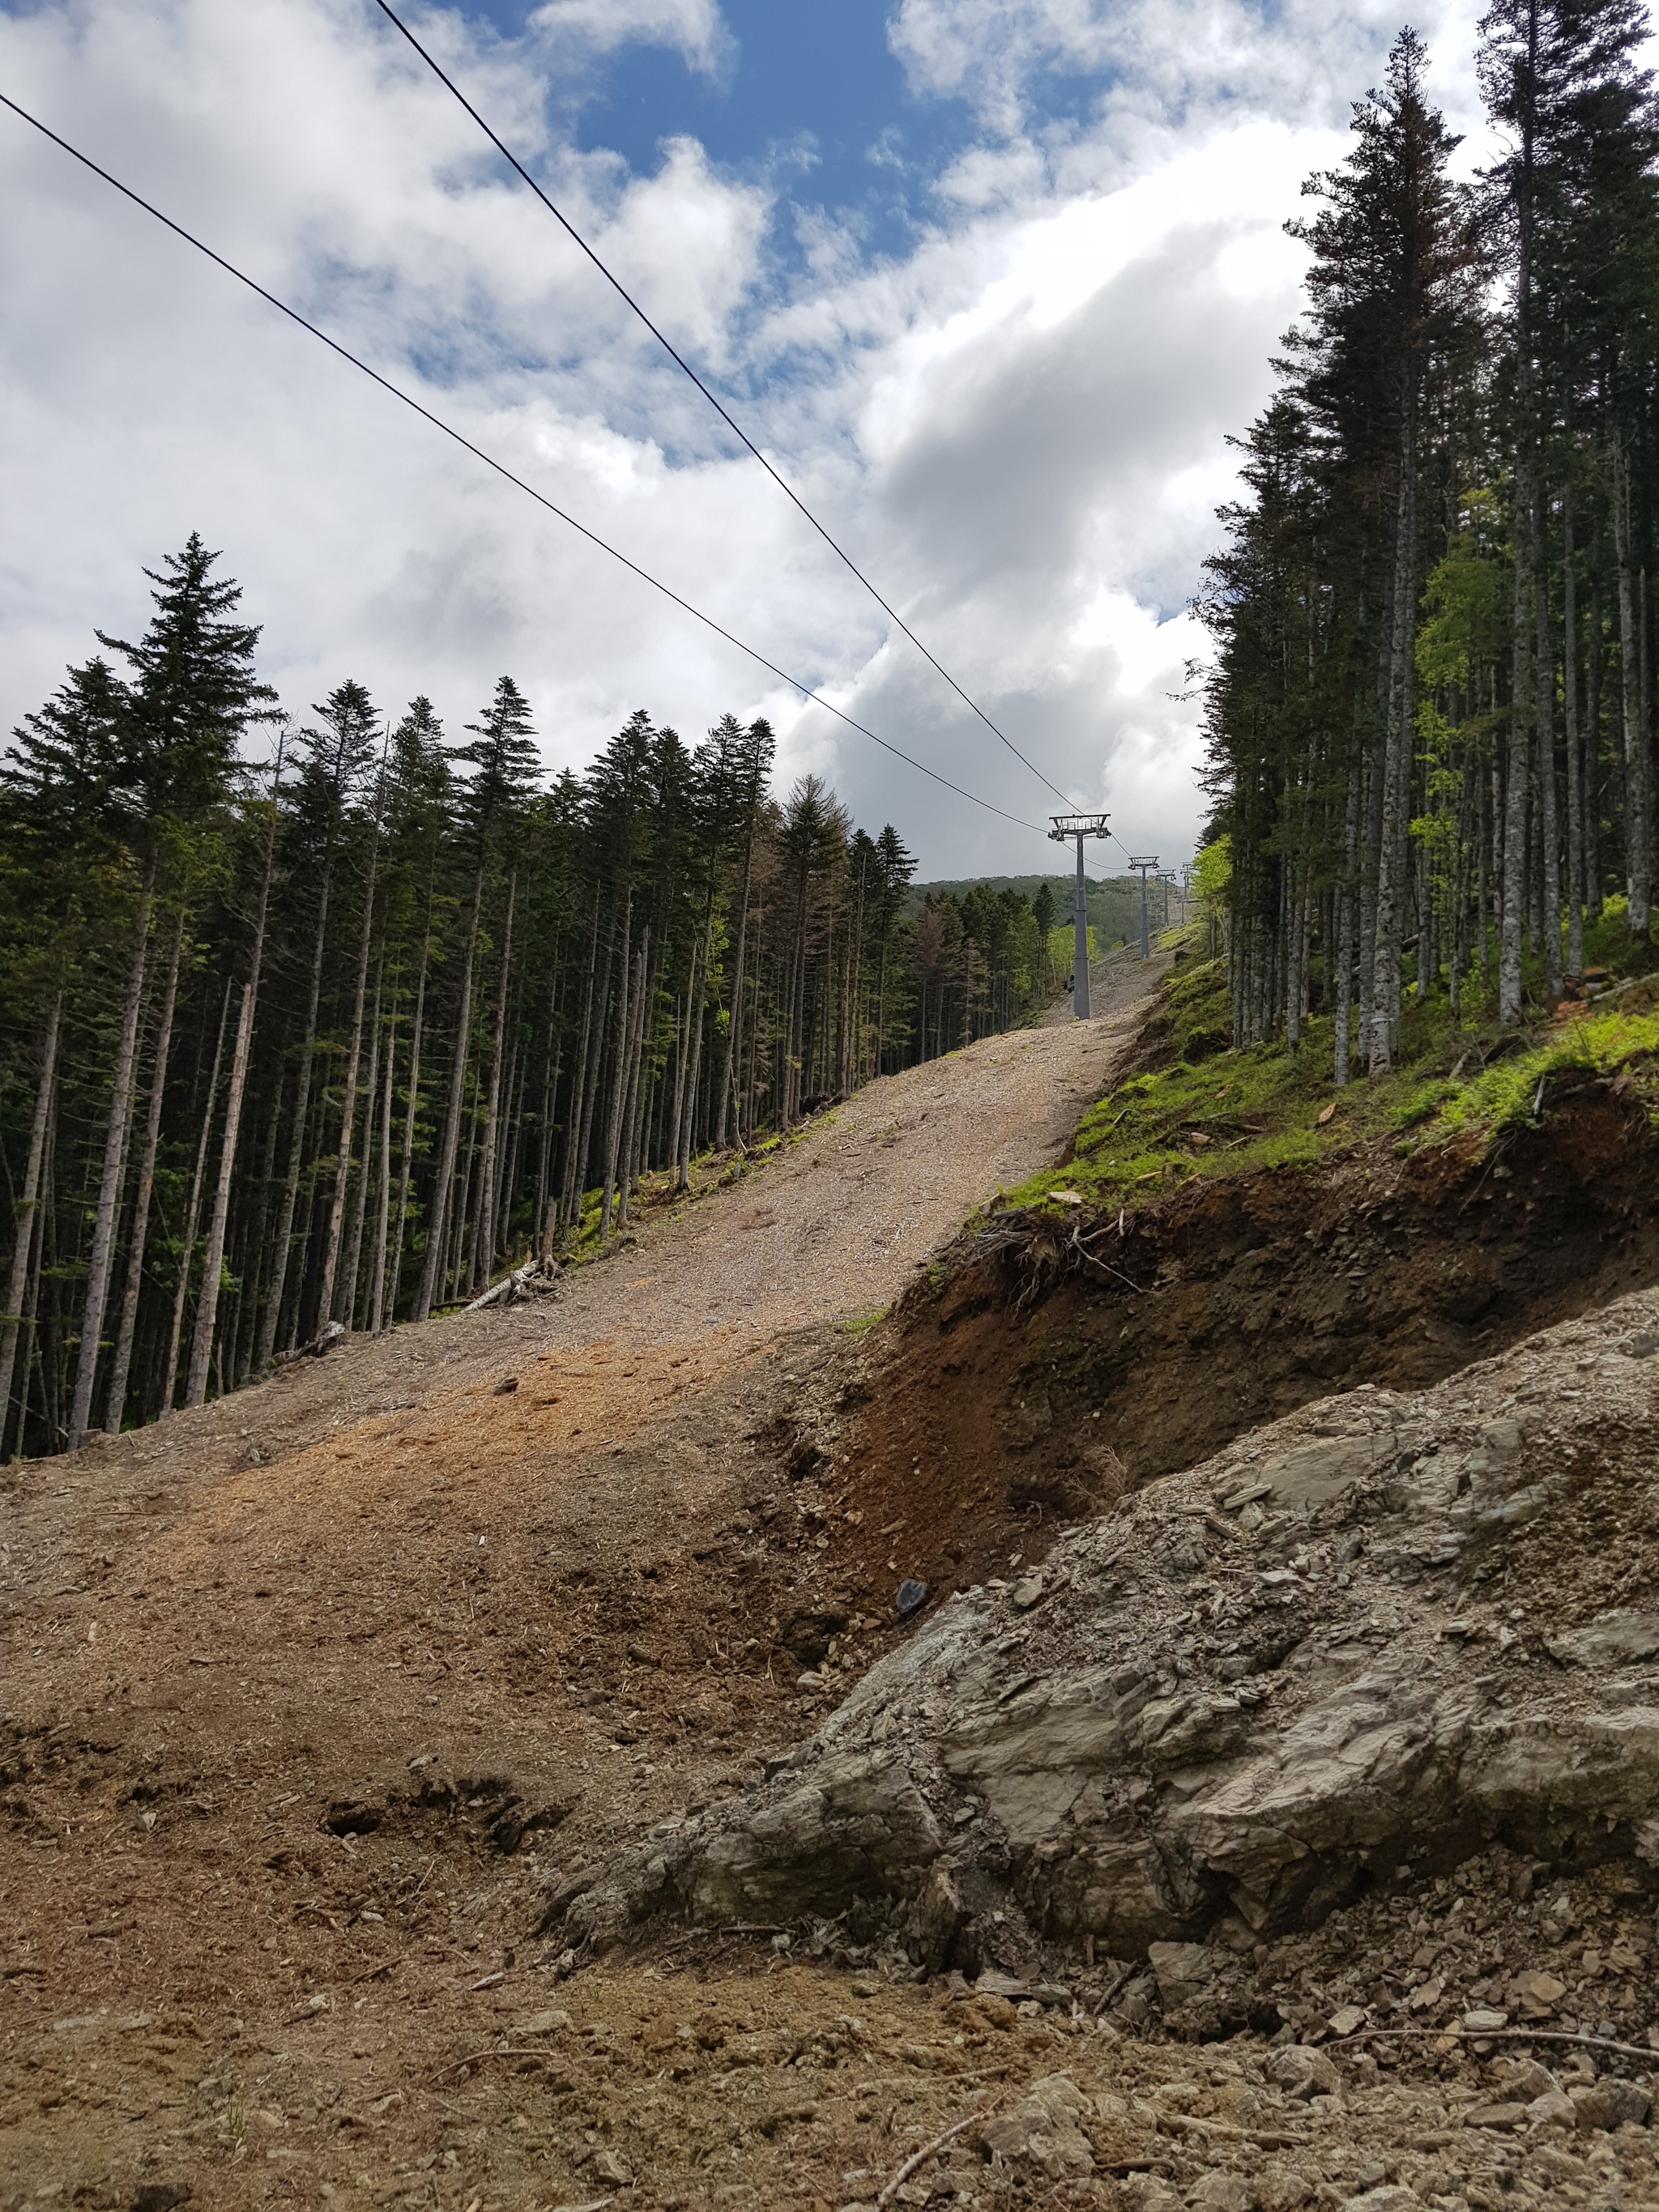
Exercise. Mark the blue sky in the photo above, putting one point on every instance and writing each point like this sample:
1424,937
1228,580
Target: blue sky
992,280
811,91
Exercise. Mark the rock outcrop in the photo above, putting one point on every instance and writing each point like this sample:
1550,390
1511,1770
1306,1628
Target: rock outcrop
1382,1634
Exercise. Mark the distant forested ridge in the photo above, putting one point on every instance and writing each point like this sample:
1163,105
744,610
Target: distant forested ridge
323,1019
1431,714
1113,902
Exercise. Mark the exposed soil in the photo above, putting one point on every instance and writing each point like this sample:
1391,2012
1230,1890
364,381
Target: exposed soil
1224,1307
312,1698
302,1691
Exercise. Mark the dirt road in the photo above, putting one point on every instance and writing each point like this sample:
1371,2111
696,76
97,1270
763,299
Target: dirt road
836,1223
309,1696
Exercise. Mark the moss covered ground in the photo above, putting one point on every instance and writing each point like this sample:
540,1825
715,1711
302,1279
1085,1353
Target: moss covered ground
1209,1110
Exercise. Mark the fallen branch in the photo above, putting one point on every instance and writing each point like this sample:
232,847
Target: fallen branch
538,1274
1225,2131
1504,2035
374,1972
1114,1986
928,2150
325,1338
477,2057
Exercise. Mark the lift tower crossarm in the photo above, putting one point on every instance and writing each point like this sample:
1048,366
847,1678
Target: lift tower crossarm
1079,826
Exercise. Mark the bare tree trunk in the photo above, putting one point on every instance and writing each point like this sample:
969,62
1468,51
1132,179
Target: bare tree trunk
406,1163
34,1356
640,1104
1515,821
354,1234
547,1204
27,1220
121,1366
354,1061
193,1211
483,1255
577,1118
619,1079
431,1274
383,1208
1637,798
1382,1044
1593,686
729,1073
271,1320
1345,919
207,1304
1575,762
100,1264
631,1098
699,1004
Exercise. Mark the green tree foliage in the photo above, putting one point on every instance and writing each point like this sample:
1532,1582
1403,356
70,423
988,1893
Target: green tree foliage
1429,711
323,1030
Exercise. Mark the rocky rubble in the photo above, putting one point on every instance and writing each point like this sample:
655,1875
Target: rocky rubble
1391,1659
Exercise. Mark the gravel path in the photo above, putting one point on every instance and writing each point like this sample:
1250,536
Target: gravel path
834,1227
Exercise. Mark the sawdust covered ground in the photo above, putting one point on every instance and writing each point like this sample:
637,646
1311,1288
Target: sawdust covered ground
308,1696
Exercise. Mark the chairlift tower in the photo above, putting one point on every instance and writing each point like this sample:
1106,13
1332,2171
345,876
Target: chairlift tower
1079,826
1144,864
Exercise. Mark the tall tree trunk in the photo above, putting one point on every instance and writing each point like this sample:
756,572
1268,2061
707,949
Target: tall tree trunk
193,1211
699,1004
100,1263
1544,705
35,1360
121,1366
1575,761
729,1072
383,1206
638,1085
354,1061
432,1274
1593,686
1382,1045
1516,776
207,1304
1638,796
359,1207
619,1079
484,1258
271,1320
405,1167
577,1111
27,1217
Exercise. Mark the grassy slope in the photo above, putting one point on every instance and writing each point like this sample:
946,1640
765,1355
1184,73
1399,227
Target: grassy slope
1213,1111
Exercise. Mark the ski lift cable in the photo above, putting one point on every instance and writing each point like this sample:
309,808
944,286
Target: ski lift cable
714,401
795,683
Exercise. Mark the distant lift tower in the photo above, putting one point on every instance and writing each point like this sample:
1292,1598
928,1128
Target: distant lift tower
1079,826
1144,864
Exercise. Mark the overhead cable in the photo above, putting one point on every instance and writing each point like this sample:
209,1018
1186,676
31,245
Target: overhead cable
718,404
807,690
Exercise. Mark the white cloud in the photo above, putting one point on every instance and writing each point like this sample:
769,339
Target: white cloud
1019,427
693,29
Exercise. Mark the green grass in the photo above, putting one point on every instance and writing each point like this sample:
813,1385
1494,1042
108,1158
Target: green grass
856,1324
1213,1111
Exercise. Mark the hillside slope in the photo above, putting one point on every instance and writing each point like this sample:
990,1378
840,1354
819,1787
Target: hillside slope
296,1689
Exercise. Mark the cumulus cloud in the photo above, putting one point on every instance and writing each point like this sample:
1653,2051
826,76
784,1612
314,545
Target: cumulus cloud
693,29
1018,427
1169,62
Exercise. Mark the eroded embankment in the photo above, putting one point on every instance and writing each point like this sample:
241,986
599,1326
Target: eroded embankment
1063,1357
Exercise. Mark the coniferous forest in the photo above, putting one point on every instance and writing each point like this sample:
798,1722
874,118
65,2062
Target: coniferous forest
1431,714
327,1019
